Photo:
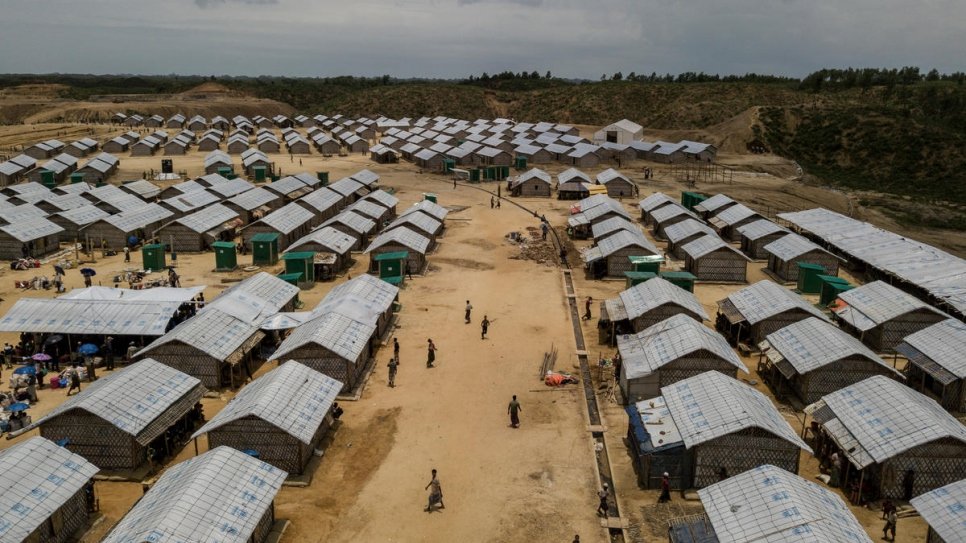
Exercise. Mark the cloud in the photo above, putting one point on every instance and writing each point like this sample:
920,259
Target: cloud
528,3
204,4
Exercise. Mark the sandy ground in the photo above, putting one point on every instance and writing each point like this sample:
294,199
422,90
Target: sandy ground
535,483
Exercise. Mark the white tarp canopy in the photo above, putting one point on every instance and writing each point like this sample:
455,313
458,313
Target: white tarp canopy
286,320
158,294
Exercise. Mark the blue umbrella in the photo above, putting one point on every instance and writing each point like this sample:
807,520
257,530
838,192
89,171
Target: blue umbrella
87,349
25,370
20,406
88,271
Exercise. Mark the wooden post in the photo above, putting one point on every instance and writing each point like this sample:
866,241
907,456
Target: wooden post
196,446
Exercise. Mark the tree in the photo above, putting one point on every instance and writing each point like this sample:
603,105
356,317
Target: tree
618,76
603,77
548,76
534,75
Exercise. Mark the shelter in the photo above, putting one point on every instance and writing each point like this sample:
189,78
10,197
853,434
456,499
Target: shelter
35,236
253,205
400,239
197,231
644,305
116,145
114,231
706,428
282,416
420,223
757,310
73,220
371,210
290,222
572,185
728,221
291,188
256,298
623,132
666,216
44,494
768,504
386,200
350,189
936,365
354,224
610,256
652,203
898,443
142,188
882,315
323,203
812,358
327,240
223,495
146,146
374,299
944,509
785,253
533,183
669,351
714,205
331,343
611,226
709,258
117,421
756,235
618,185
432,209
216,160
681,233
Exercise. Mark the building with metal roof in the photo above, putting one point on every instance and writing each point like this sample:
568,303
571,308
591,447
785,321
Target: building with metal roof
289,187
420,223
282,415
354,224
185,204
811,358
432,209
74,219
323,203
257,297
44,493
898,443
646,304
327,240
944,510
79,317
929,272
759,309
222,495
290,222
115,230
710,258
618,185
34,236
116,421
936,365
786,252
611,226
622,131
532,183
142,188
652,203
727,221
665,216
881,315
757,234
331,343
713,205
384,199
350,189
768,504
706,428
197,231
610,257
213,347
254,204
668,351
374,297
400,239
681,233
112,199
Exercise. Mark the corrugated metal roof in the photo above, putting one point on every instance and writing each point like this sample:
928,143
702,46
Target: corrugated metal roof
791,246
287,219
346,186
534,173
609,175
39,477
214,333
607,206
85,215
219,496
430,208
944,509
131,398
713,203
685,228
255,298
143,188
420,221
368,208
255,198
402,236
884,418
571,174
651,294
146,215
710,405
292,397
94,317
623,239
336,241
734,214
944,343
766,299
355,221
879,302
29,230
673,338
670,211
759,229
286,185
382,198
24,160
322,199
231,187
208,218
344,336
708,244
191,201
769,504
377,295
811,343
613,224
655,200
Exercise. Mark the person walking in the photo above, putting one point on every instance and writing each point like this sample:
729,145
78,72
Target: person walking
132,349
430,353
492,203
395,349
435,493
665,488
75,381
393,365
127,254
514,410
587,304
109,353
890,524
602,508
498,203
543,231
469,309
484,327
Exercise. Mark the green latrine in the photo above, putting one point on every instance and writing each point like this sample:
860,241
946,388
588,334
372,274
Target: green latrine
504,172
475,175
226,258
691,199
302,262
831,288
682,279
808,281
430,196
392,266
47,179
448,165
290,278
261,172
646,263
152,257
224,171
76,177
265,248
520,163
636,278
323,177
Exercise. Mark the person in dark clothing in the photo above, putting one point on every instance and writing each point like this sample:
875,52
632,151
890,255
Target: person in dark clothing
393,366
665,489
109,353
430,353
395,349
602,508
484,327
514,410
587,304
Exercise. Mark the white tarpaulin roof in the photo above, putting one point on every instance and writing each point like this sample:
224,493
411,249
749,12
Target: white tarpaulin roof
94,317
673,338
158,294
945,510
286,320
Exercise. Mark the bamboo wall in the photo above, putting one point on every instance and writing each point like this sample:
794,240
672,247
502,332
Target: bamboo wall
739,452
62,525
113,238
618,188
12,248
184,239
532,188
618,263
721,265
274,445
417,261
886,336
659,314
934,464
264,526
97,440
755,249
649,386
763,328
326,362
951,397
788,269
811,386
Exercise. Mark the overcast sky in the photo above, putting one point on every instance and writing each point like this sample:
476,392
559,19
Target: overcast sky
455,38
